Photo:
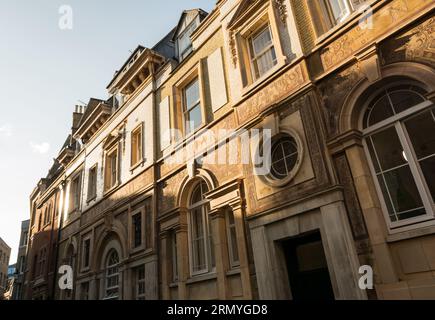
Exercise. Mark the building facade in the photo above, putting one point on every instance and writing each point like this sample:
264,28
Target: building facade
17,278
5,254
264,150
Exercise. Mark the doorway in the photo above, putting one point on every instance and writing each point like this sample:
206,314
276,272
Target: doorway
307,268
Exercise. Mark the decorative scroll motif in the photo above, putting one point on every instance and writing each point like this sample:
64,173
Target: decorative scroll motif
417,44
233,50
386,19
280,88
334,91
422,45
282,10
397,10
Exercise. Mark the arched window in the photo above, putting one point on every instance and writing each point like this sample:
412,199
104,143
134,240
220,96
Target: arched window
112,276
399,131
202,258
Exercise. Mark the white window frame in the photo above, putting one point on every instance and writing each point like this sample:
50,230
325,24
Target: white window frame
138,281
186,110
108,276
253,58
209,268
397,121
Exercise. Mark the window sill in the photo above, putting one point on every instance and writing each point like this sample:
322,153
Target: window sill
202,278
140,163
90,199
234,271
111,189
260,81
73,212
173,285
425,229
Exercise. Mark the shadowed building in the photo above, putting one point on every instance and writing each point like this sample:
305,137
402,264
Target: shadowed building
5,254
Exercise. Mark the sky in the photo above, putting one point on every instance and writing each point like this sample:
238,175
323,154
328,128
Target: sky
48,64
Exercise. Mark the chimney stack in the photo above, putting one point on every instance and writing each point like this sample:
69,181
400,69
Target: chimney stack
77,116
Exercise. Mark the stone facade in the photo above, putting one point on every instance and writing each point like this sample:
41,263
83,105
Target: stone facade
5,254
159,219
20,266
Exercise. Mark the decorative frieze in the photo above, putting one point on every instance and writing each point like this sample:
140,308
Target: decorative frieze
277,90
386,19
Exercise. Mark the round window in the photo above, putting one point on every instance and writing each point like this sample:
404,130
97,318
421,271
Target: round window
285,159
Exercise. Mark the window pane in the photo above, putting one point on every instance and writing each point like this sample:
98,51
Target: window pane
373,155
137,230
411,214
265,62
234,250
402,188
339,9
261,41
284,157
389,149
192,94
404,99
428,168
386,197
194,118
421,130
197,224
380,111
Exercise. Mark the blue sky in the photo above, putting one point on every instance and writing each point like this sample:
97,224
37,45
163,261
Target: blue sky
46,71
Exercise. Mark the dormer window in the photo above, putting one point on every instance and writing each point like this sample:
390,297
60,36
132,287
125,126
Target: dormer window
184,42
189,21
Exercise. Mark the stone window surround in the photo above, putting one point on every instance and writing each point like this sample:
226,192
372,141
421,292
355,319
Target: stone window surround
141,158
263,16
207,231
132,213
430,208
268,179
107,153
92,195
77,175
82,264
177,92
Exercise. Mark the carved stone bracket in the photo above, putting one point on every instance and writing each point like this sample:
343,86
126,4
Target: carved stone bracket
233,49
370,64
282,10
